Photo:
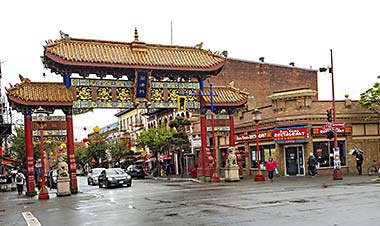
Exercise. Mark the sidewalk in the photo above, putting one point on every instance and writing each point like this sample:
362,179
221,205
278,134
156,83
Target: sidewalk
298,181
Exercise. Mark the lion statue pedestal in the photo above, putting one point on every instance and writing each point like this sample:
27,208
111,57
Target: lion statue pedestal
63,180
231,171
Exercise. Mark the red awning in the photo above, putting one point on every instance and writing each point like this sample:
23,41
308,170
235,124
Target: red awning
140,160
166,157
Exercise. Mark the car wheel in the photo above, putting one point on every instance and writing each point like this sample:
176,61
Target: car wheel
100,184
88,182
107,184
129,184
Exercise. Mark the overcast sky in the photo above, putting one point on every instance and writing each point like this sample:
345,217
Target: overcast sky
281,31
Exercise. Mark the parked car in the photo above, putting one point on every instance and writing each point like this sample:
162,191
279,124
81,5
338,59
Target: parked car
114,177
136,171
51,178
80,172
92,176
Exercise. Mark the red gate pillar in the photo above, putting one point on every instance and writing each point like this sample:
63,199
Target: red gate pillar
30,182
203,144
232,131
70,153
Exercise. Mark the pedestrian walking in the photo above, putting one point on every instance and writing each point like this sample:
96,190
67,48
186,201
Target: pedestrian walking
313,163
359,160
270,167
20,181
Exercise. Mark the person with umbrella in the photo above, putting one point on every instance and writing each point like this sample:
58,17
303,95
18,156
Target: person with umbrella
359,159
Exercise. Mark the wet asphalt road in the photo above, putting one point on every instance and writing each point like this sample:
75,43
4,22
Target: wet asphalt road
152,202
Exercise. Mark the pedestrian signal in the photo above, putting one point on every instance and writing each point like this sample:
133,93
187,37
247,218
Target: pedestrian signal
181,103
329,134
329,115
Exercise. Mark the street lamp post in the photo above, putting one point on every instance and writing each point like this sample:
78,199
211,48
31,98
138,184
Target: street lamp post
43,194
337,173
257,117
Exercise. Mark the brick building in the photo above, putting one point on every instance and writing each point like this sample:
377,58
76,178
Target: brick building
293,121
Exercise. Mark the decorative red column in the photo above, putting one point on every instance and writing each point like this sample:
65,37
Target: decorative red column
232,130
30,181
203,143
70,153
43,194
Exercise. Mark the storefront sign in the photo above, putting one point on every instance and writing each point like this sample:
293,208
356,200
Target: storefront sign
322,131
267,134
297,134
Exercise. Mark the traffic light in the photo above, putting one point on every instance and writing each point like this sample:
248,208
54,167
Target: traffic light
181,103
329,134
329,115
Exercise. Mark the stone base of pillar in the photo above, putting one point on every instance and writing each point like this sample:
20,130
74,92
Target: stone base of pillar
63,187
231,174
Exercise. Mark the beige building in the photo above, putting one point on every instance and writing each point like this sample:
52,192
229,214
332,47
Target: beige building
133,122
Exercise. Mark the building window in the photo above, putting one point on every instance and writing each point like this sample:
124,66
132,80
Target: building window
324,151
266,151
242,154
223,157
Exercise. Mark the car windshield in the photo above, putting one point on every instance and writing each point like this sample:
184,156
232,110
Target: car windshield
97,170
115,171
54,173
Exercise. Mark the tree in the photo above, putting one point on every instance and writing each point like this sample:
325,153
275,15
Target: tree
157,140
97,147
180,140
118,150
370,99
17,146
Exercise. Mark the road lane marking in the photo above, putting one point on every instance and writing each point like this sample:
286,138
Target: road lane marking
30,219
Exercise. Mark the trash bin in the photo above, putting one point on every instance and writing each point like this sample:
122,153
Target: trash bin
193,172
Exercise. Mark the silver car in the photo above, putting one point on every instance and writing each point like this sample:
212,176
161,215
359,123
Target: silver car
93,175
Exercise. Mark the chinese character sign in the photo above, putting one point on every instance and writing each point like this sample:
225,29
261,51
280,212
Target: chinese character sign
141,85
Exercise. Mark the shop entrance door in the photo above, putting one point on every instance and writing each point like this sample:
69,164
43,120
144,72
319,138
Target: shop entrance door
294,164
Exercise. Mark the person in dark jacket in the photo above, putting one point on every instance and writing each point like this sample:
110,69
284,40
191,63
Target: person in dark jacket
359,160
312,162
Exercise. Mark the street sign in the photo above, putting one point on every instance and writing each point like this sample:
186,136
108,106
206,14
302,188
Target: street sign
331,125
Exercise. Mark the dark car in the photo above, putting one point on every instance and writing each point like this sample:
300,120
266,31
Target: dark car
51,179
136,171
114,177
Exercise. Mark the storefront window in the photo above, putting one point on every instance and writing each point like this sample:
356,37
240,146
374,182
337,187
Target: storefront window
266,151
325,153
223,156
242,154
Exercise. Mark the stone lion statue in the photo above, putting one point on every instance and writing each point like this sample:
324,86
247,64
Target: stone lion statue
63,168
231,159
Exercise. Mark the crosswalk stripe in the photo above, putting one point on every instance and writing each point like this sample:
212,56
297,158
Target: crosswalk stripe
30,219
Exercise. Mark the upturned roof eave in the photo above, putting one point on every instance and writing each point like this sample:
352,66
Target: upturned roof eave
39,103
59,60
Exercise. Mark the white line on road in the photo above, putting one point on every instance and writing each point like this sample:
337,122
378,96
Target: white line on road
30,219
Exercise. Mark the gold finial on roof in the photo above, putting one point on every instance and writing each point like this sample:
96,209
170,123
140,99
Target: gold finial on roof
232,83
136,35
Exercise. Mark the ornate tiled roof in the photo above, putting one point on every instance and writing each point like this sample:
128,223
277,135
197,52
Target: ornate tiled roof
40,93
83,52
226,96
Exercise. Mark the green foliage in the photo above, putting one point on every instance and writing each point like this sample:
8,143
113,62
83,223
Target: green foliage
118,151
180,140
97,148
370,99
17,147
81,156
157,139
